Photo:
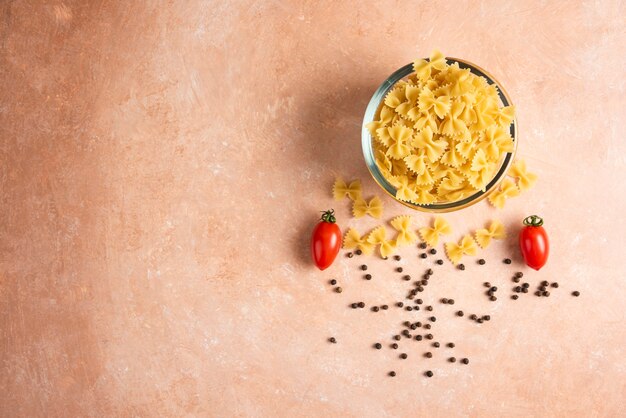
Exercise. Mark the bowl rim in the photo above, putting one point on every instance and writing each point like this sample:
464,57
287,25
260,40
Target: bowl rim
368,150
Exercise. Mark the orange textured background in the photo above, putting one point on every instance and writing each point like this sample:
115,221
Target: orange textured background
162,165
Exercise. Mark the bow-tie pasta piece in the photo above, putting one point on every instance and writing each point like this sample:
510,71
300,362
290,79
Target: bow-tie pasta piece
379,237
424,69
430,235
455,251
507,190
374,208
525,179
494,231
402,224
340,189
352,240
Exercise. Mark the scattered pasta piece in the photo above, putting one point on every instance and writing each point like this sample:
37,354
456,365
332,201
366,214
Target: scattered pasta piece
379,237
352,240
340,189
402,224
455,251
507,190
431,235
374,208
495,231
525,179
441,124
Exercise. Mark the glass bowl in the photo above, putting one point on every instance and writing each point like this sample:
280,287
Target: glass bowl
368,150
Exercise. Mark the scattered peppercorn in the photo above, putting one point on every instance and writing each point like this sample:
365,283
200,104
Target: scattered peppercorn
482,261
408,308
440,261
433,319
394,346
486,317
350,255
392,373
428,354
479,320
429,272
451,345
333,340
358,252
514,297
473,316
429,308
363,267
526,285
429,373
378,346
436,344
397,257
546,293
399,269
399,304
450,301
493,298
452,359
507,261
493,289
368,277
487,284
419,301
406,277
465,361
444,301
555,285
423,255
338,290
516,279
576,293
403,356
397,337
375,308
433,251
361,305
461,267
460,313
333,282
426,326
524,290
429,336
422,245
418,337
355,305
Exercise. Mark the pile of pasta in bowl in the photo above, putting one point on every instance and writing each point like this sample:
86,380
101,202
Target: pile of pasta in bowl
440,134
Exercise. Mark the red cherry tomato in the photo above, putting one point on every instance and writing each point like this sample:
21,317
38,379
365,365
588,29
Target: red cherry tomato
326,240
533,241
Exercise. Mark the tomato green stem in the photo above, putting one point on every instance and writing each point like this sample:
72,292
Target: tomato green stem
533,220
329,216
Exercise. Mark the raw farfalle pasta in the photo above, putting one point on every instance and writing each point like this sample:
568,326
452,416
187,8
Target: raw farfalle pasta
441,134
455,251
361,208
431,235
352,240
507,190
379,237
495,231
406,235
341,189
525,179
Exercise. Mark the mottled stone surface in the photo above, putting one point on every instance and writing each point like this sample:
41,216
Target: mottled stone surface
162,165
